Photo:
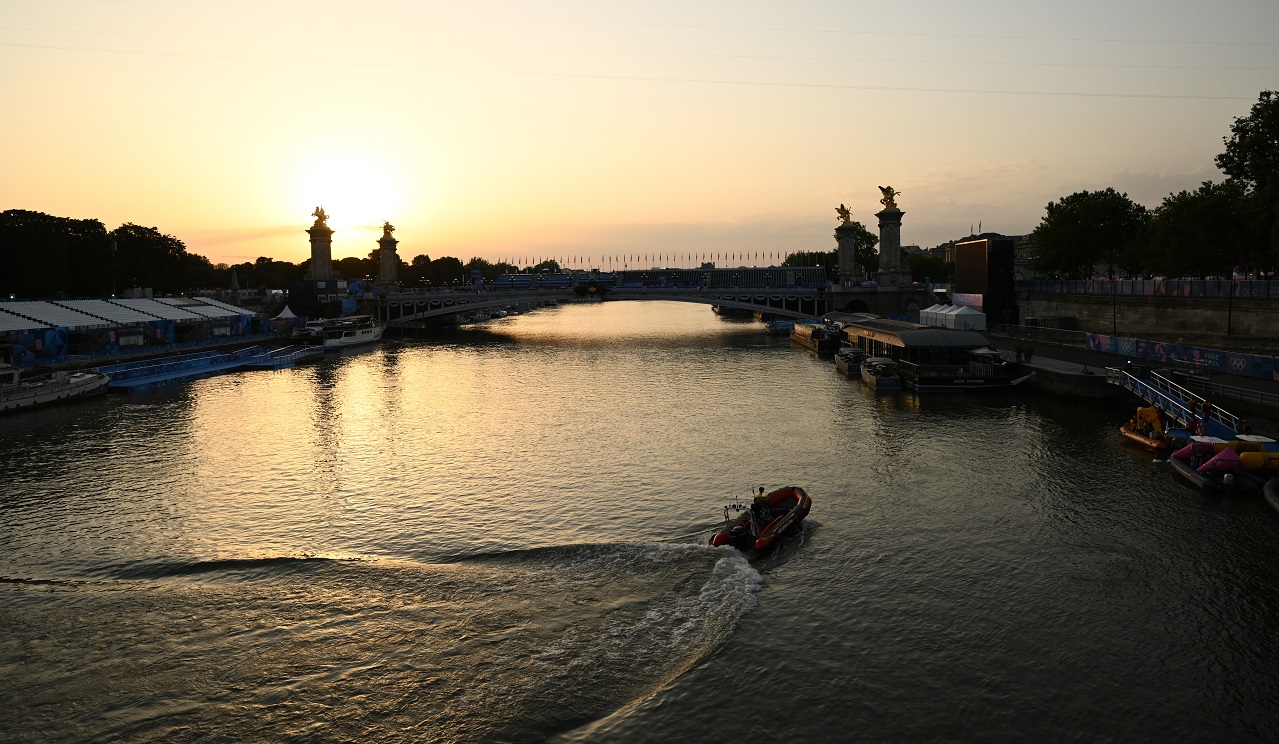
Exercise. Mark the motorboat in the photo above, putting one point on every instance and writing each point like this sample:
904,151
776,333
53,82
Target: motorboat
339,333
881,374
16,393
848,360
762,524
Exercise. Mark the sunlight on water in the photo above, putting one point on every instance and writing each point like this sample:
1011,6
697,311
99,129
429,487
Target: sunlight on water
499,535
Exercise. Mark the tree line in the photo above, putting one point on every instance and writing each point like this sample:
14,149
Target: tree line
1219,229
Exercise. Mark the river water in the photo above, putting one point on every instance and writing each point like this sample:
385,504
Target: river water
500,536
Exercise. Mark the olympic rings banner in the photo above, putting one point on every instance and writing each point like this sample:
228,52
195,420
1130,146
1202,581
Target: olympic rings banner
1244,365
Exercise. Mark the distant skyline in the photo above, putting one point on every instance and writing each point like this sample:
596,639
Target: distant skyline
510,130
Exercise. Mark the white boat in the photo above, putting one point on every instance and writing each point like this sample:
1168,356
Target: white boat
16,393
881,373
339,333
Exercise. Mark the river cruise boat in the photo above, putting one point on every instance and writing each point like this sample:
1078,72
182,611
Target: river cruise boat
340,333
933,359
16,393
882,374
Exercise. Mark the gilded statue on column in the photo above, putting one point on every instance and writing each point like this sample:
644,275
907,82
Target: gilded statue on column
320,217
845,215
387,229
890,197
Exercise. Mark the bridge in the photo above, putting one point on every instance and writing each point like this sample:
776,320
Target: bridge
403,308
799,292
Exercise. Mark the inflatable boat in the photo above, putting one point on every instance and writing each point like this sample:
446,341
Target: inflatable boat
762,524
1271,491
1213,465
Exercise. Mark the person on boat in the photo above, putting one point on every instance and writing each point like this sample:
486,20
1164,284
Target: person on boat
1244,428
760,505
1207,412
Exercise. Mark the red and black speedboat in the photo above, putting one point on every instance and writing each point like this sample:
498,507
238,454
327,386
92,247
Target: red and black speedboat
760,525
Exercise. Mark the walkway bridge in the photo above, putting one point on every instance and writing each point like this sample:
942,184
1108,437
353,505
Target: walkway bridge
401,308
1174,400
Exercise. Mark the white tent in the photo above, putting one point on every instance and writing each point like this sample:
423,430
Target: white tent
946,316
929,317
967,319
285,314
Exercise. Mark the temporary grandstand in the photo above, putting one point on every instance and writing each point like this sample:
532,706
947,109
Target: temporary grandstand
37,331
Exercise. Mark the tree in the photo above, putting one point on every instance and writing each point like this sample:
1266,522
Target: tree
1201,232
145,257
1087,229
42,255
826,259
1252,159
924,267
1252,149
864,242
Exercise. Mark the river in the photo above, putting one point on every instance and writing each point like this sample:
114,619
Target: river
500,536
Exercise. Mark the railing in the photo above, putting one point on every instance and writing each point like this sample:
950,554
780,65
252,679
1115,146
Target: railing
1253,397
1172,398
1239,288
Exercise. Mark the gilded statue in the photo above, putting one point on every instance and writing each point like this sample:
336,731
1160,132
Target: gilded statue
320,216
890,197
844,214
387,229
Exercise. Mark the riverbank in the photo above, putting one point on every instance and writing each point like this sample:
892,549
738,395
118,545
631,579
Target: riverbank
1071,371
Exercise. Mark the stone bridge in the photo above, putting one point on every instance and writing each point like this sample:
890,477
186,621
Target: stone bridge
401,308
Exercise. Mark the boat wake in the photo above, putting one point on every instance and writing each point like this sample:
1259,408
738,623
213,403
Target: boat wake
518,645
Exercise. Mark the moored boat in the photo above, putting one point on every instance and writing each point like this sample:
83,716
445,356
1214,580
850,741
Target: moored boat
339,333
881,374
819,337
1271,491
16,393
761,526
1212,464
848,360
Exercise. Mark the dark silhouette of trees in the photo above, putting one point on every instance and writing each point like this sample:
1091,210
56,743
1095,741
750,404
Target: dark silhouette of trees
1201,232
145,257
45,256
926,268
1089,229
1252,159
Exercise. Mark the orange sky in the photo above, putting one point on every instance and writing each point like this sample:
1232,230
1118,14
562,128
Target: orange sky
508,130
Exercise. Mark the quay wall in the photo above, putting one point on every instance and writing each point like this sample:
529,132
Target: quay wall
1195,320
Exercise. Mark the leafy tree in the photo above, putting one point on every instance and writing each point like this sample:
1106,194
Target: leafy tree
1201,232
549,264
1252,159
448,270
42,255
1087,229
1252,149
864,242
924,267
145,257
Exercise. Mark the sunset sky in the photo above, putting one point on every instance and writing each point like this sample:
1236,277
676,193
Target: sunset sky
512,130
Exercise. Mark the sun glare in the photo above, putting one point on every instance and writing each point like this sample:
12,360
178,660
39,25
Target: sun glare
357,188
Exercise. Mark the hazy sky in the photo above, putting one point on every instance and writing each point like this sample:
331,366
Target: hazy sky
566,127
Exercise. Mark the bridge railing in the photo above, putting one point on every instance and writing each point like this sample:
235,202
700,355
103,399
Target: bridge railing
1226,418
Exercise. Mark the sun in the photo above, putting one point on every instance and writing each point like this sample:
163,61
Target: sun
358,188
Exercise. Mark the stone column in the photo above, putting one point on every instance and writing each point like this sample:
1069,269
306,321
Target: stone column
892,273
849,271
388,262
321,267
